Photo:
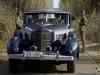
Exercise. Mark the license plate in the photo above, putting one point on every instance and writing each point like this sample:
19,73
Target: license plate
31,54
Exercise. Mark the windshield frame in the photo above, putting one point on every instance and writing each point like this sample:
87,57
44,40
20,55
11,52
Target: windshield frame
64,14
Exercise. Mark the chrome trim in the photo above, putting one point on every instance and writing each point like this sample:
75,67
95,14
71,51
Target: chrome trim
42,57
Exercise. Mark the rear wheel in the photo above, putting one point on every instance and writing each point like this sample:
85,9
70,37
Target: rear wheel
70,67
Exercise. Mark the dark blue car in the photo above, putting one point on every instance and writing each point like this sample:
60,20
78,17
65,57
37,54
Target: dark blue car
36,41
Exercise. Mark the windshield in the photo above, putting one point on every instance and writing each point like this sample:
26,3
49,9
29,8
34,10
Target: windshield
43,18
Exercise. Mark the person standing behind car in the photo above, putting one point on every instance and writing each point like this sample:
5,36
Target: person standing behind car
13,43
18,31
72,45
63,44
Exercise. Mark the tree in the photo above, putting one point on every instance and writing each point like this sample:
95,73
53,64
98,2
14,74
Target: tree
35,4
65,4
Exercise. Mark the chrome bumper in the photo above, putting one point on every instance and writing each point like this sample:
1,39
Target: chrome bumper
42,57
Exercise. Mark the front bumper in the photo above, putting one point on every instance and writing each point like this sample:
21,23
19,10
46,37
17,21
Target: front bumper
42,58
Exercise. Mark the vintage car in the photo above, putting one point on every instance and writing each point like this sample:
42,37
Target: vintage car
36,43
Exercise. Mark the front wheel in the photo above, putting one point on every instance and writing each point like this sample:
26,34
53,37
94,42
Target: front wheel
13,66
70,67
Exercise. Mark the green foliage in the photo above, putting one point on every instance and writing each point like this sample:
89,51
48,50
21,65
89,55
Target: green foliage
35,4
77,6
65,4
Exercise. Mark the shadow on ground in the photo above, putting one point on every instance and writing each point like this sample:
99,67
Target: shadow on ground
45,70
